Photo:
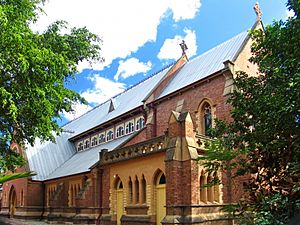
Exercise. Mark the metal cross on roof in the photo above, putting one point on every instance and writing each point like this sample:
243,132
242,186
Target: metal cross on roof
183,47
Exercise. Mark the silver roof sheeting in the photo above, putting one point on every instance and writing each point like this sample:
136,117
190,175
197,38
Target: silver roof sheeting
82,161
206,64
124,102
44,158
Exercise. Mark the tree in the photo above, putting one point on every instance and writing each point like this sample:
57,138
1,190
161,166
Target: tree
262,139
34,68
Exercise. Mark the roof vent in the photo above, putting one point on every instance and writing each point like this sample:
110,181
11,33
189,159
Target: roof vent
111,106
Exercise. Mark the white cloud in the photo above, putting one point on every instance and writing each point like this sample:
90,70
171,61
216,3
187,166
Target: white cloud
184,9
102,90
79,109
124,25
289,13
131,67
172,50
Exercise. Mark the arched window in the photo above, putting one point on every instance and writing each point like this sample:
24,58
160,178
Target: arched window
144,190
94,141
207,118
162,179
120,185
109,135
86,144
139,123
74,189
203,189
101,138
119,200
80,146
137,191
130,193
120,132
129,128
210,189
216,189
22,198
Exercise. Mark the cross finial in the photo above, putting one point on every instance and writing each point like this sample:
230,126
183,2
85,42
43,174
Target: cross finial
183,47
257,11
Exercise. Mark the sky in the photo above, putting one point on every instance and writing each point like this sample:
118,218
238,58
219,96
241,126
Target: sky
141,37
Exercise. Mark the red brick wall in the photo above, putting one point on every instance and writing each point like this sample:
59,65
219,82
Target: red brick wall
138,138
105,189
35,193
89,196
18,185
212,89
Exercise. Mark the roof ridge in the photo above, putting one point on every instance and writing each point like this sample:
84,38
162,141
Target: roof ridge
126,90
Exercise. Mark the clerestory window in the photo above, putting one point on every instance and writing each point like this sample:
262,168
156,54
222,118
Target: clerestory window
94,141
86,144
101,138
120,132
80,146
109,135
139,123
129,128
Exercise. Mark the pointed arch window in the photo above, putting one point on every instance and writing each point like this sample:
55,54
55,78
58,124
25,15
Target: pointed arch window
86,144
129,128
137,191
207,118
80,146
162,179
110,135
101,138
203,188
94,141
130,191
143,190
139,123
120,131
216,189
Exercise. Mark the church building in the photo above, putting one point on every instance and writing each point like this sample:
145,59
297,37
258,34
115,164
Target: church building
133,159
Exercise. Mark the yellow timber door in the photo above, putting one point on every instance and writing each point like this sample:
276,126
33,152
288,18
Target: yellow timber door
160,198
120,203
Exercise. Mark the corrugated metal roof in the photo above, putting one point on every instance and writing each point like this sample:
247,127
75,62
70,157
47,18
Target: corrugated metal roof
206,64
82,161
44,158
123,103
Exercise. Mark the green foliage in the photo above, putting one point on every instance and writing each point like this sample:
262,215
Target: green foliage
33,71
4,178
262,141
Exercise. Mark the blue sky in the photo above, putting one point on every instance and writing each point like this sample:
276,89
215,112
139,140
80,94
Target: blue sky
141,37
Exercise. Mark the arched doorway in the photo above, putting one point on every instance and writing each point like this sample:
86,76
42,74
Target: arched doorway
12,202
120,203
160,197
